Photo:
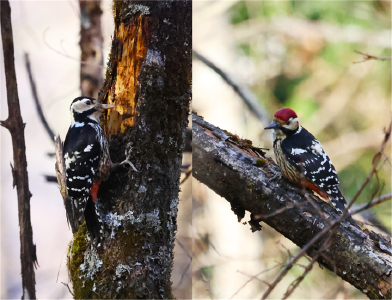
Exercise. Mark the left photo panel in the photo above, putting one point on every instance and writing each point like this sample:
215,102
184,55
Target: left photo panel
96,98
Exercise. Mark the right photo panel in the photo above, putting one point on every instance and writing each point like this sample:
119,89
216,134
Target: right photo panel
291,155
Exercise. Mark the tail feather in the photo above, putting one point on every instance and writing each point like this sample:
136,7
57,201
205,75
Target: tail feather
339,206
94,222
75,219
339,203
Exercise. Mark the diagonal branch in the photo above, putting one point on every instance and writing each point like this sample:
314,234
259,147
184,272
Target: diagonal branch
15,125
36,99
246,95
250,183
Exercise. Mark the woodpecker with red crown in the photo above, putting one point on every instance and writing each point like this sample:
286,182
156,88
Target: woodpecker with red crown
303,161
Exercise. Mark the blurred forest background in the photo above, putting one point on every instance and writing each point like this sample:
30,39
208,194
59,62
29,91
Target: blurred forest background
297,54
50,32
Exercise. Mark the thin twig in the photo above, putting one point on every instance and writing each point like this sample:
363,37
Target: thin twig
372,203
254,277
246,95
68,56
187,175
367,57
36,99
296,282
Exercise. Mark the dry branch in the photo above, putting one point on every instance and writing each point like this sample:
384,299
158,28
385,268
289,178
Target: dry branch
14,123
251,183
36,99
245,94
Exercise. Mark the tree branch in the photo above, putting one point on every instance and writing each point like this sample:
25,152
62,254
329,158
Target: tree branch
251,183
15,125
36,99
245,94
367,57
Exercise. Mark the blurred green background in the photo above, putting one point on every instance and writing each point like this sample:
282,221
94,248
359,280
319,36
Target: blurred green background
297,54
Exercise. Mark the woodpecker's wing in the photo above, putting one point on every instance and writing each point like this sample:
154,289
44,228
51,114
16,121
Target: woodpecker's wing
305,152
82,152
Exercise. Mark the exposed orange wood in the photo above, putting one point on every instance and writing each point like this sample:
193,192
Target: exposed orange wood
132,41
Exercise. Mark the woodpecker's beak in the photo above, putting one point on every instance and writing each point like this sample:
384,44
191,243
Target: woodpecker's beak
273,125
107,106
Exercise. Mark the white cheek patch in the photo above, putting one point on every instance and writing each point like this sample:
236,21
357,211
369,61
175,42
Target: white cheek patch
79,106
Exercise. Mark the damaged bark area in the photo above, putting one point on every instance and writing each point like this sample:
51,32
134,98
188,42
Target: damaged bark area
149,80
250,181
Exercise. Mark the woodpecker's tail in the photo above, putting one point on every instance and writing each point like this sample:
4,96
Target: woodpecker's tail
73,214
340,208
93,222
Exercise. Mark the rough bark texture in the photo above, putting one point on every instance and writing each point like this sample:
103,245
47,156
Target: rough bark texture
15,125
91,45
225,164
149,79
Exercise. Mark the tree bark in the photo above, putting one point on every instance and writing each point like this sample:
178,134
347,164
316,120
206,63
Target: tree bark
228,166
149,79
91,45
14,123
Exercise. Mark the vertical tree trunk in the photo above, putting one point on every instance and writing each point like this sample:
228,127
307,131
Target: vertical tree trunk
14,123
91,45
149,79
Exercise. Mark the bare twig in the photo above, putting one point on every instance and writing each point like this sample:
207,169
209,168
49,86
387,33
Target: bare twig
367,57
296,282
372,203
14,123
246,95
68,56
36,99
253,277
187,174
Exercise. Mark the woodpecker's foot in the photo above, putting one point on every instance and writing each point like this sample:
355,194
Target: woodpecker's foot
125,162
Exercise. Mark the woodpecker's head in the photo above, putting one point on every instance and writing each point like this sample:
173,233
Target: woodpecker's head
86,107
285,122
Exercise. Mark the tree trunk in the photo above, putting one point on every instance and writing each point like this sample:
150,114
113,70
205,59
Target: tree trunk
14,123
149,79
228,166
91,46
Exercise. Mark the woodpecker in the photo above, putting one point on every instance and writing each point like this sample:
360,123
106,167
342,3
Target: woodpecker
303,161
87,164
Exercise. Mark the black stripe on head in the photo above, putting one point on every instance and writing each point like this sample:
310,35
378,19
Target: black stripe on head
81,98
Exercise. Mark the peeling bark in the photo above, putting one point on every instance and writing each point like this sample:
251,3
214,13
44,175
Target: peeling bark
227,166
149,79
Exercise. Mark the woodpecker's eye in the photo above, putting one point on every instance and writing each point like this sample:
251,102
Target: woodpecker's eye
88,102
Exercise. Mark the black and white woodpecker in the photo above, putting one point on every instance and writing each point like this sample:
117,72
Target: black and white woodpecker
87,164
303,161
